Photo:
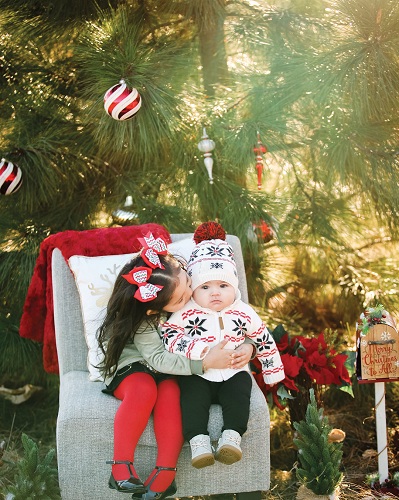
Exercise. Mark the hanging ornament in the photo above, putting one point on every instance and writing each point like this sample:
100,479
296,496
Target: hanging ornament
263,231
206,145
121,102
259,151
125,217
10,177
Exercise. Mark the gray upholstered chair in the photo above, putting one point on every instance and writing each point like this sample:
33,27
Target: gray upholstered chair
85,418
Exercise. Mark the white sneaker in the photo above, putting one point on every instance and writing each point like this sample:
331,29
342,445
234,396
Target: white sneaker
201,451
228,451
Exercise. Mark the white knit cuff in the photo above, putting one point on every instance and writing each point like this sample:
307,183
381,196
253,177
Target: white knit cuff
274,377
198,350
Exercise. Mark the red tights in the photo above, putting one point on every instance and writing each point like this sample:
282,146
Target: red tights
140,396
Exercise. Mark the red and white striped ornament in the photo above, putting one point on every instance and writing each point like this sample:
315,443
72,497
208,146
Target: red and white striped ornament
10,177
121,102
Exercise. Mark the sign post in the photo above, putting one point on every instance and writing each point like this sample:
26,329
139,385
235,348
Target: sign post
377,362
381,427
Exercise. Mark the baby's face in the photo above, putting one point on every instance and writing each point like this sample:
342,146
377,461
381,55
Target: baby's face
214,295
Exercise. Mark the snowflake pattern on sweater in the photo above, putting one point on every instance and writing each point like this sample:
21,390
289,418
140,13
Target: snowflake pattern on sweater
193,330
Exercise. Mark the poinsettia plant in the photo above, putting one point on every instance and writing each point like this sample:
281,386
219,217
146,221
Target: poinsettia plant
308,362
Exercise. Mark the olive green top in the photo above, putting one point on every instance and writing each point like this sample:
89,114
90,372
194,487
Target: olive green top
147,346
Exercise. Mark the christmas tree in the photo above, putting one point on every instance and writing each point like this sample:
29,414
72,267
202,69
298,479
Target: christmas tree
316,82
35,478
319,459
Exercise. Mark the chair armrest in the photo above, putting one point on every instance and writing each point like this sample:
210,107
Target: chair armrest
68,323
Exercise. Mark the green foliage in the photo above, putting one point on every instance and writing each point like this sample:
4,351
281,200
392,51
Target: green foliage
371,316
17,354
318,460
35,478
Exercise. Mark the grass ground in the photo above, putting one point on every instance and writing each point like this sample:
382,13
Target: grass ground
37,418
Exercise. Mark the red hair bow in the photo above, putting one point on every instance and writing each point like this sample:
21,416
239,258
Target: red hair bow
139,276
152,248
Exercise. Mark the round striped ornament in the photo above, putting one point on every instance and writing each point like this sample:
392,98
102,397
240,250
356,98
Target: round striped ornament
121,102
10,177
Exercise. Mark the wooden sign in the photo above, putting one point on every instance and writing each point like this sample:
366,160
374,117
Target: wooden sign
379,352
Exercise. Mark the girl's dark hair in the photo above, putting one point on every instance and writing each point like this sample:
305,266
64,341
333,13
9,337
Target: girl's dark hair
125,313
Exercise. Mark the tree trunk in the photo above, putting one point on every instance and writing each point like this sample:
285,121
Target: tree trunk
213,55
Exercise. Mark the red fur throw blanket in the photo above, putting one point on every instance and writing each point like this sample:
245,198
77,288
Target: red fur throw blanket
37,322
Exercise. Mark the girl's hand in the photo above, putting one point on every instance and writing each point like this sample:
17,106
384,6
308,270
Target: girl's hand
218,357
242,356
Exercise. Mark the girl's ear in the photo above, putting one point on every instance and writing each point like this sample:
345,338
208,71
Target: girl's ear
151,312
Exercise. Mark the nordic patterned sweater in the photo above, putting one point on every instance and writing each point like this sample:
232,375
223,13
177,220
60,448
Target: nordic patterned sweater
192,329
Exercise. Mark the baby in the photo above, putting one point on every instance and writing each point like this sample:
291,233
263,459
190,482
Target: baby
216,312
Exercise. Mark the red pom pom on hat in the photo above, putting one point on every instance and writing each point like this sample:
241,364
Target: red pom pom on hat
209,231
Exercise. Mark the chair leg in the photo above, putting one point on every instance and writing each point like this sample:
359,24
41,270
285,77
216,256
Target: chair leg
249,495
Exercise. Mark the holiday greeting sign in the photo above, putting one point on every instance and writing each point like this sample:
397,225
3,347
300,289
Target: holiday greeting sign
378,345
377,362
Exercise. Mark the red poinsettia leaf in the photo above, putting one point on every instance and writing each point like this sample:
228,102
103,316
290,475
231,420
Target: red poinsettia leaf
282,344
339,363
316,358
322,376
307,343
328,378
313,344
310,345
292,364
290,384
322,341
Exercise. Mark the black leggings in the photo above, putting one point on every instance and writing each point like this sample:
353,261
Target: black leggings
197,394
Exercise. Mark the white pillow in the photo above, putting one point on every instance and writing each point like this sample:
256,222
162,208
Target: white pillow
182,248
95,278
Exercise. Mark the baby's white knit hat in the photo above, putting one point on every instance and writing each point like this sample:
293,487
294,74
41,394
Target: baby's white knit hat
212,257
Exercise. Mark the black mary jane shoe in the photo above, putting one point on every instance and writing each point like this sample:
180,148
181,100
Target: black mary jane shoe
155,495
131,485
